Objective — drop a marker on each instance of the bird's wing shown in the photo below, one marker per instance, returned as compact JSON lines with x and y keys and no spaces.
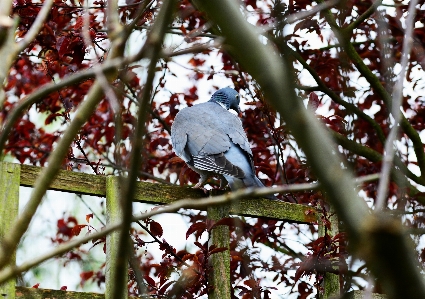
{"x":201,"y":135}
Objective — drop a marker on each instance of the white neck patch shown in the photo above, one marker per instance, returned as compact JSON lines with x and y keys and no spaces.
{"x":222,"y":105}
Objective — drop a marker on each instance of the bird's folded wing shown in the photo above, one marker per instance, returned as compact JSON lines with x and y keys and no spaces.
{"x":217,"y":164}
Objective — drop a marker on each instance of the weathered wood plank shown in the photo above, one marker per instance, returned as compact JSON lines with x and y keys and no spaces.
{"x":89,"y":184}
{"x":331,"y":288}
{"x":362,"y":294}
{"x":113,"y":215}
{"x":219,"y":277}
{"x":274,"y":209}
{"x":22,"y":292}
{"x":9,"y":204}
{"x":27,"y":293}
{"x":68,"y":181}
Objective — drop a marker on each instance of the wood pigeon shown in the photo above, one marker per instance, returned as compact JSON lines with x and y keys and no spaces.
{"x":212,"y":141}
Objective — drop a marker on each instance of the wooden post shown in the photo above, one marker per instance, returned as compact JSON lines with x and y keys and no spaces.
{"x":9,"y":203}
{"x":113,"y":215}
{"x":331,"y":281}
{"x":219,"y":277}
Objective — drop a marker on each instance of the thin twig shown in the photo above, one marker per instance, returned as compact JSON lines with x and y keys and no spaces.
{"x":305,"y":14}
{"x":396,"y":113}
{"x":36,"y":26}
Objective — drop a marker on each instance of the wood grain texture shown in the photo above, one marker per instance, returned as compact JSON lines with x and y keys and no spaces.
{"x":9,"y":203}
{"x":154,"y":193}
{"x":219,"y":278}
{"x":24,"y":293}
{"x":113,"y":215}
{"x":68,"y":181}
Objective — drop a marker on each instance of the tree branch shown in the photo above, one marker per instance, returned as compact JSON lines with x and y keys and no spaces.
{"x":381,"y":199}
{"x":364,"y":16}
{"x":36,"y":26}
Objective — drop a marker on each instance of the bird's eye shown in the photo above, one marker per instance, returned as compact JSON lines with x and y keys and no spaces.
{"x":237,"y":98}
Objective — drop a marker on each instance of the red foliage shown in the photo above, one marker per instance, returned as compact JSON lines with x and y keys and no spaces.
{"x":356,"y":111}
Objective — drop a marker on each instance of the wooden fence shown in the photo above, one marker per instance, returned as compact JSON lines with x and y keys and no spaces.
{"x":14,"y":175}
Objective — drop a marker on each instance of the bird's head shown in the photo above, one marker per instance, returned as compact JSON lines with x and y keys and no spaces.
{"x":228,"y":98}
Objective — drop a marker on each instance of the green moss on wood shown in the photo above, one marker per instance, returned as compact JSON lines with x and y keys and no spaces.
{"x":164,"y":194}
{"x":219,"y":278}
{"x":22,"y":292}
{"x":69,"y":181}
{"x":361,"y":295}
{"x":9,"y":202}
{"x":275,"y":209}
{"x":113,"y":257}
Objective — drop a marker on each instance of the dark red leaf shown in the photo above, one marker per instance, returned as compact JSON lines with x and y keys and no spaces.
{"x":155,"y":228}
{"x":76,"y":230}
{"x":88,"y":217}
{"x":216,"y":250}
{"x":86,"y":275}
{"x":197,"y":227}
{"x":149,"y":280}
{"x":200,"y":246}
{"x":313,"y":101}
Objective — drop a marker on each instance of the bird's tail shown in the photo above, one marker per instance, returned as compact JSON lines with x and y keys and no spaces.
{"x":249,"y":181}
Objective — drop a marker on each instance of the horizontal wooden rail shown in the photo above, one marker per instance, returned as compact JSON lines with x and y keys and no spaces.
{"x":89,"y":184}
{"x":22,"y":292}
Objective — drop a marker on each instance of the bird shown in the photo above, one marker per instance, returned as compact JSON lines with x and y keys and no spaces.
{"x":212,"y":141}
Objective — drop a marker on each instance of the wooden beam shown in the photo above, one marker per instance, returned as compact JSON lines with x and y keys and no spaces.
{"x":24,"y":293}
{"x":154,"y":193}
{"x":9,"y":203}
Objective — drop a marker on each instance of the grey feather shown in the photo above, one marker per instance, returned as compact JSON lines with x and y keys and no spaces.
{"x":212,"y":141}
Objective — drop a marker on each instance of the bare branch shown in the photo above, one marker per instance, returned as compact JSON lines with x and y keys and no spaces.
{"x":395,"y":107}
{"x":36,"y":26}
{"x":305,"y":14}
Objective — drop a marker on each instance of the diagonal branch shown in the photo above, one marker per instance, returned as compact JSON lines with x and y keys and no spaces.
{"x":36,"y":26}
{"x":364,"y":16}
